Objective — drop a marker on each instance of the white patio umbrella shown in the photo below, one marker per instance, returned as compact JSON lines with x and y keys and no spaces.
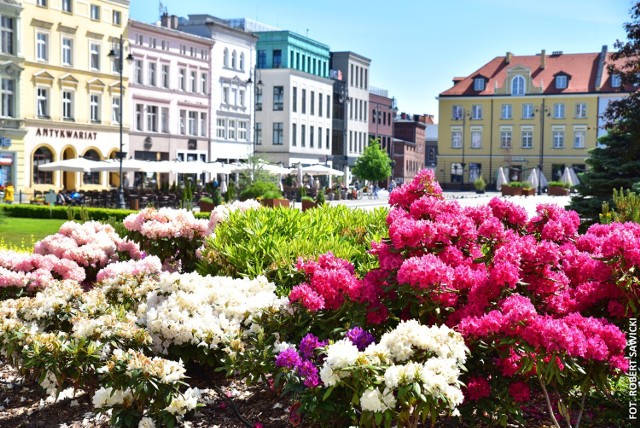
{"x":321,"y":170}
{"x":569,"y":176}
{"x":113,"y":165}
{"x":71,"y":165}
{"x":502,"y":179}
{"x":187,"y":167}
{"x":533,"y":178}
{"x":218,"y":168}
{"x":223,"y":185}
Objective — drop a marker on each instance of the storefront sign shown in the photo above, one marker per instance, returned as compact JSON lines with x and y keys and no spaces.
{"x":66,"y":133}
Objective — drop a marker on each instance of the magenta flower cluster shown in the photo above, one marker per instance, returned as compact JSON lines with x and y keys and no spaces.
{"x":33,"y":272}
{"x":304,"y":363}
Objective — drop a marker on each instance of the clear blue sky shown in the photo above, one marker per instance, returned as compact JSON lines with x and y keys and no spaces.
{"x":416,"y":47}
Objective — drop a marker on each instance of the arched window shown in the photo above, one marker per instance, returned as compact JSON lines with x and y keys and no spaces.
{"x":233,"y":60}
{"x":225,"y":57}
{"x":91,"y":177}
{"x":241,"y":61}
{"x":41,"y":156}
{"x":517,"y":85}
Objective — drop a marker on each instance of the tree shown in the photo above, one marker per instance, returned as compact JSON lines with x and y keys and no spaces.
{"x":374,"y":163}
{"x":615,"y":163}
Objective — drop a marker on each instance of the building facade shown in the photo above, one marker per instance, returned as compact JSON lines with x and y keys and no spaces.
{"x":232,"y":58}
{"x":382,"y":113}
{"x":71,"y":89}
{"x":519,"y":113}
{"x":169,"y":91}
{"x":12,"y":130}
{"x":293,"y":99}
{"x":409,"y":147}
{"x":350,"y":73}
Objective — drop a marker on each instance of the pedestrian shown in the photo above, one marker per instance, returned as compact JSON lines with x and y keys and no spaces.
{"x":8,"y":193}
{"x":392,"y":185}
{"x":375,"y":191}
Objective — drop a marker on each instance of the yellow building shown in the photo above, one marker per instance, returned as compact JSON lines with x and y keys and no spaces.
{"x":520,"y":113}
{"x":70,"y":88}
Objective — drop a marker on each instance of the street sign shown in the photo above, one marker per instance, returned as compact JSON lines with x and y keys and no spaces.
{"x":5,"y":142}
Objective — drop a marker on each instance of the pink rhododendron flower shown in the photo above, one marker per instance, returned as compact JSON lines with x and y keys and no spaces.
{"x":477,"y":388}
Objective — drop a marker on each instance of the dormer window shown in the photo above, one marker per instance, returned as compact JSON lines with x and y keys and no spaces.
{"x":616,"y":80}
{"x":561,"y":81}
{"x":517,"y":85}
{"x":479,"y":83}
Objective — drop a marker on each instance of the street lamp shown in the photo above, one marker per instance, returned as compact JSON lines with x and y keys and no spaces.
{"x":119,"y":61}
{"x":544,"y":111}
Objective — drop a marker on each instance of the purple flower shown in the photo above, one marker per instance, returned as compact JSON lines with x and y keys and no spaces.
{"x":309,"y":372}
{"x":288,"y":358}
{"x":360,"y":338}
{"x":308,"y":345}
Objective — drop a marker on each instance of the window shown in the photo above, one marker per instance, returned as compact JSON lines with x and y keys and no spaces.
{"x":42,"y":3}
{"x":67,"y":51}
{"x":258,"y":99}
{"x":94,"y":56}
{"x":506,"y":111}
{"x":303,"y":136}
{"x":558,"y":111}
{"x":233,"y":59}
{"x":7,"y":93}
{"x":527,"y":138}
{"x":457,"y":112}
{"x":579,"y":137}
{"x":42,"y":101}
{"x":181,"y":78}
{"x":67,"y":105}
{"x":312,"y":101}
{"x":183,"y":122}
{"x":258,"y":131}
{"x":241,"y":94}
{"x":294,"y":103}
{"x":476,"y":112}
{"x":193,"y":123}
{"x":139,"y":113}
{"x":581,"y":110}
{"x":225,"y":95}
{"x":117,"y":18}
{"x":527,"y":111}
{"x":277,"y":59}
{"x":505,"y":139}
{"x":203,"y":124}
{"x":137,"y":71}
{"x":328,"y":105}
{"x":152,"y":74}
{"x":164,"y":119}
{"x":517,"y":85}
{"x":221,"y":128}
{"x":561,"y":81}
{"x":116,"y":109}
{"x":328,"y":135}
{"x":95,"y":12}
{"x":476,"y":139}
{"x":456,"y":139}
{"x":479,"y":84}
{"x":319,"y":137}
{"x":94,"y":107}
{"x":152,"y":119}
{"x":42,"y":47}
{"x":558,"y":138}
{"x":6,"y":26}
{"x":319,"y":104}
{"x":203,"y":83}
{"x":311,"y":135}
{"x":41,"y":156}
{"x":165,"y":75}
{"x":303,"y":108}
{"x":242,"y":130}
{"x":225,"y":58}
{"x":231,"y":130}
{"x":192,"y":80}
{"x":278,"y":99}
{"x":616,"y":80}
{"x":261,"y":61}
{"x":241,"y":61}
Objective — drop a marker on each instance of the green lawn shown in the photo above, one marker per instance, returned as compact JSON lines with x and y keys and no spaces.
{"x":24,"y":232}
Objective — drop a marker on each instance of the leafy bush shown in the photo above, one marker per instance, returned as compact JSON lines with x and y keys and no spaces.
{"x":272,"y":194}
{"x":558,"y":184}
{"x":515,"y":184}
{"x":627,"y":208}
{"x":307,"y":199}
{"x":321,"y":199}
{"x":257,"y":190}
{"x":62,"y":213}
{"x":268,"y":242}
{"x":479,"y":184}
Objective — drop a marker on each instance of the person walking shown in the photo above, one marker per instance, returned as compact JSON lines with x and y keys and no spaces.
{"x":9,"y":193}
{"x":375,"y":191}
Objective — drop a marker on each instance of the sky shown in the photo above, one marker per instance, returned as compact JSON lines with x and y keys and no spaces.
{"x":417,"y":47}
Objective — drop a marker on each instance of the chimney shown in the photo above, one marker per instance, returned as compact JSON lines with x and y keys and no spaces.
{"x":174,"y":22}
{"x":164,"y":20}
{"x":543,"y":59}
{"x":507,"y":58}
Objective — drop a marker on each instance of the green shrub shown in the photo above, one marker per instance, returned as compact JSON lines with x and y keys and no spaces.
{"x":61,"y":212}
{"x":257,"y":190}
{"x":627,"y":208}
{"x":479,"y":184}
{"x":307,"y":199}
{"x":272,"y":194}
{"x":269,"y":242}
{"x":558,"y":184}
{"x":516,"y":184}
{"x":216,"y":198}
{"x":527,"y":185}
{"x":321,"y":199}
{"x":230,"y":194}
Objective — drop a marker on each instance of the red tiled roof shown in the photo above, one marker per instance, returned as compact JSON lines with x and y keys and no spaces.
{"x":606,"y":76}
{"x":582,"y":69}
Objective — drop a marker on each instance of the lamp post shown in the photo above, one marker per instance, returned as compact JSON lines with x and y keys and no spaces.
{"x":120,"y":66}
{"x":544,"y":111}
